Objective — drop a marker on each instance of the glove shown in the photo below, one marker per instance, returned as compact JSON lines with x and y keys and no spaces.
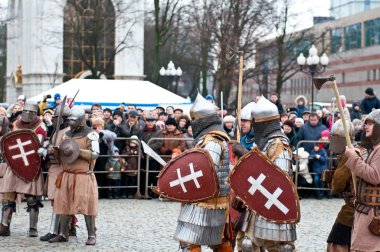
{"x":239,"y":149}
{"x":42,"y":152}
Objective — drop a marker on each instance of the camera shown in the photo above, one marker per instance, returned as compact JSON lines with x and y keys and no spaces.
{"x":48,"y":96}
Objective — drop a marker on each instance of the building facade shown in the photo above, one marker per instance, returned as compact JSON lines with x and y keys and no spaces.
{"x":41,"y":38}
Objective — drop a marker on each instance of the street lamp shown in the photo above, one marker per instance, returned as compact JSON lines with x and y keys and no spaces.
{"x":170,"y":71}
{"x":312,"y":65}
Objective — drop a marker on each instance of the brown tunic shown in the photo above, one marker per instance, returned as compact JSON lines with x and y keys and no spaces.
{"x":13,"y":184}
{"x":362,"y":239}
{"x":78,"y":191}
{"x":55,"y":168}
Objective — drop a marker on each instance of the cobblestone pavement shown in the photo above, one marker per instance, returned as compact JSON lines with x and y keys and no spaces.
{"x":148,"y":225}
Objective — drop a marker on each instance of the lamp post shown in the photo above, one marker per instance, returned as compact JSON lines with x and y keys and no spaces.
{"x":170,"y":71}
{"x":312,"y":65}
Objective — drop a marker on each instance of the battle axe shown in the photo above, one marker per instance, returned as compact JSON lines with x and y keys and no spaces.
{"x":318,"y":82}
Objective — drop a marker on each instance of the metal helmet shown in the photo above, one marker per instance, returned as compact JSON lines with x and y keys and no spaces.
{"x":29,"y":112}
{"x":338,"y":141}
{"x":201,"y":108}
{"x":204,"y":117}
{"x":247,"y":110}
{"x":65,"y":115}
{"x":77,"y":118}
{"x":265,"y":110}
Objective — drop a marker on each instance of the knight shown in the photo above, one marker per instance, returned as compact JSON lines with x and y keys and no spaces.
{"x":13,"y":184}
{"x":210,"y":228}
{"x":269,"y":138}
{"x":77,"y":190}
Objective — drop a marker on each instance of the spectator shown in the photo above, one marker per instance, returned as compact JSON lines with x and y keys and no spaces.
{"x":292,"y":116}
{"x":358,"y":127}
{"x":106,"y":147}
{"x":114,"y":166}
{"x":370,"y":101}
{"x":305,"y":116}
{"x":284,"y":117}
{"x":151,"y":131}
{"x":47,"y":120}
{"x":318,"y":156}
{"x":154,"y":114}
{"x":310,"y":131}
{"x":274,"y":99}
{"x":160,"y":109}
{"x":170,"y":111}
{"x":189,"y":134}
{"x":160,"y":125}
{"x":228,"y":125}
{"x":21,"y":101}
{"x":3,"y":112}
{"x":301,"y":103}
{"x":289,"y":131}
{"x":183,"y":122}
{"x":355,"y":113}
{"x":57,"y":100}
{"x":132,"y":125}
{"x":163,"y":117}
{"x":107,"y":117}
{"x":122,"y":108}
{"x":119,"y":128}
{"x":171,"y":132}
{"x":210,"y":98}
{"x":248,"y":136}
{"x":325,"y":136}
{"x":130,"y":108}
{"x":177,"y":113}
{"x":298,"y":124}
{"x":129,"y":178}
{"x":42,"y":105}
{"x":144,"y":115}
{"x":96,"y":111}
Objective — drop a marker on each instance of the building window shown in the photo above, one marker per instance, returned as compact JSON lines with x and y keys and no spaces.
{"x":372,"y":32}
{"x":374,"y":74}
{"x":353,"y":36}
{"x":343,"y":77}
{"x":88,"y":37}
{"x":336,"y":39}
{"x":368,"y":75}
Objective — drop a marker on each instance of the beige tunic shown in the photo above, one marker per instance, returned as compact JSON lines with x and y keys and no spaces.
{"x":55,"y":168}
{"x":13,"y":184}
{"x":78,"y":190}
{"x":362,"y":239}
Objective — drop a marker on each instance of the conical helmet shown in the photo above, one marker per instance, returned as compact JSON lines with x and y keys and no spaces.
{"x":264,"y":110}
{"x":201,"y":108}
{"x":246,"y":111}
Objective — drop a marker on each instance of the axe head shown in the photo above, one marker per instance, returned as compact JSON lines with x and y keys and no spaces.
{"x":318,"y":82}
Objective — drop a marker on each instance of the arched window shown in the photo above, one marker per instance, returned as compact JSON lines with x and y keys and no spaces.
{"x":89,"y":38}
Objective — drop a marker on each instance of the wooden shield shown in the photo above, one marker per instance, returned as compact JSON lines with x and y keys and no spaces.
{"x":189,"y":177}
{"x":20,"y":148}
{"x":265,"y":188}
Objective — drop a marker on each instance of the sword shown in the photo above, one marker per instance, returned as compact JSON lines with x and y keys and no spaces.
{"x":58,"y":123}
{"x":152,"y":153}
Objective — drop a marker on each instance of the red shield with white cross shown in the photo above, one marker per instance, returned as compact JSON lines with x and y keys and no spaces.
{"x":20,"y":148}
{"x":265,"y":188}
{"x":189,"y":177}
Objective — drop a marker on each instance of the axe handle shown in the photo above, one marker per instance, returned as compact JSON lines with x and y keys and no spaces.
{"x":346,"y":133}
{"x":240,"y":87}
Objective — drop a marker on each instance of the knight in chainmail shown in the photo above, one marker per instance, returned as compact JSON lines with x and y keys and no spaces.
{"x":206,"y":222}
{"x":260,"y":233}
{"x":366,"y":227}
{"x":339,"y":238}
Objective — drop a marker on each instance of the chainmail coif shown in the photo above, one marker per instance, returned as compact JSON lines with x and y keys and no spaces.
{"x":264,"y":131}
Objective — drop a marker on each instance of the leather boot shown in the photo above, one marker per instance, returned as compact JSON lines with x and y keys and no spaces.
{"x":54,"y":226}
{"x":63,"y":236}
{"x":6,"y":218}
{"x":4,"y":230}
{"x":33,"y":220}
{"x":90,"y":224}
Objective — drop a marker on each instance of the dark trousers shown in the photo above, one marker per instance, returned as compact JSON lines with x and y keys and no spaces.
{"x":152,"y":177}
{"x":113,"y":192}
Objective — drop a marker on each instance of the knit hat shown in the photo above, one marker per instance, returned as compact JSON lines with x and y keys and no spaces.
{"x":48,"y":111}
{"x":229,"y":118}
{"x":369,"y":91}
{"x":118,"y":112}
{"x":134,"y":139}
{"x":22,"y":97}
{"x":57,"y":97}
{"x":171,"y":121}
{"x":355,"y":103}
{"x":107,"y":109}
{"x":289,"y":123}
{"x":325,"y":133}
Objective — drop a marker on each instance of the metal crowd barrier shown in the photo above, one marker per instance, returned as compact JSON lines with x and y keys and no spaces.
{"x":147,"y":170}
{"x":311,"y":173}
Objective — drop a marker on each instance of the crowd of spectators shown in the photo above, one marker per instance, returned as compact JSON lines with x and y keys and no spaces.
{"x":163,"y":129}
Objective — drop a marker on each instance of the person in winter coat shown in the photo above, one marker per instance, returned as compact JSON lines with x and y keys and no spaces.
{"x":114,"y":166}
{"x":151,"y":131}
{"x":319,"y":164}
{"x":310,"y":131}
{"x":289,"y":131}
{"x":301,"y":103}
{"x":355,"y":113}
{"x":370,"y":101}
{"x":228,"y":125}
{"x":171,"y":132}
{"x":274,"y":99}
{"x":183,"y":123}
{"x":129,"y":176}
